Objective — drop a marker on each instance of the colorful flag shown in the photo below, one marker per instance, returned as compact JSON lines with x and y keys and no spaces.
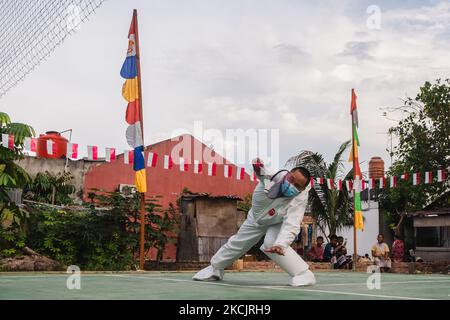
{"x":240,"y":173}
{"x":382,"y":182}
{"x":349,"y":185}
{"x":428,"y":177}
{"x":253,"y":176}
{"x":405,"y":176}
{"x":416,"y":178}
{"x":8,"y":141}
{"x":358,"y":223}
{"x":92,"y":152}
{"x":72,"y":150}
{"x":339,"y":184}
{"x":212,"y":167}
{"x":330,"y":183}
{"x":128,"y":157}
{"x":110,"y":154}
{"x":152,"y":158}
{"x":441,"y":175}
{"x":393,"y":182}
{"x":30,"y":144}
{"x":311,"y":182}
{"x":183,"y":165}
{"x":197,"y":167}
{"x":168,"y":163}
{"x":227,"y":171}
{"x":319,"y":180}
{"x":133,"y":115}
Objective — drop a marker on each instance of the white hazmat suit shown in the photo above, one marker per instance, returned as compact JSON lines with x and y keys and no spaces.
{"x":279,"y":220}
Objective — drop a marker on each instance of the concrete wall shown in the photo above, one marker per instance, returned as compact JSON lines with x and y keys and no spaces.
{"x":77,"y":168}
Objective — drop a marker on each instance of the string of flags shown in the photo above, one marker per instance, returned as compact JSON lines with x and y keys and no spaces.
{"x":428,"y":177}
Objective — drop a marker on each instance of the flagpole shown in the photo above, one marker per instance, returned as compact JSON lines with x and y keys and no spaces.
{"x":354,"y":196}
{"x":142,"y":205}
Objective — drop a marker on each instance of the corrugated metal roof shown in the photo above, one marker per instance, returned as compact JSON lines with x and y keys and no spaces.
{"x":428,"y":212}
{"x":191,"y":196}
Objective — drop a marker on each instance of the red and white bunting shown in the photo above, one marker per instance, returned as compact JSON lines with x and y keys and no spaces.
{"x":339,"y":184}
{"x":382,"y":182}
{"x":240,"y":173}
{"x":183,"y":165}
{"x":393,"y":182}
{"x":227,"y":171}
{"x":330,"y":183}
{"x":428,"y":177}
{"x":8,"y":141}
{"x":319,"y":180}
{"x":405,"y":176}
{"x":311,"y":182}
{"x":416,"y":178}
{"x":363,"y":185}
{"x":253,"y":176}
{"x":349,"y":185}
{"x":30,"y":144}
{"x":441,"y":175}
{"x":212,"y":168}
{"x":152,"y":158}
{"x":110,"y":154}
{"x":51,"y":147}
{"x":168,"y":163}
{"x":198,"y":167}
{"x":371,"y":183}
{"x":92,"y":152}
{"x":128,"y":157}
{"x":72,"y":150}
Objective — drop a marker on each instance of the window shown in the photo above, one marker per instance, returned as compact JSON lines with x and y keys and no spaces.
{"x":433,"y":237}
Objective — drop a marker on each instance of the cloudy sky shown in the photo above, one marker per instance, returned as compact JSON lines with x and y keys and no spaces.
{"x":287,"y":65}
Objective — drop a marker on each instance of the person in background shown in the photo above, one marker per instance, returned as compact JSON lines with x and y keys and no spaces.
{"x":365,"y":258}
{"x":328,"y":253}
{"x":398,"y":249}
{"x":341,"y":255}
{"x":315,"y":254}
{"x":380,"y":254}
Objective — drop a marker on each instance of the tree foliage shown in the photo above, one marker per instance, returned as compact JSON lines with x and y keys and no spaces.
{"x":423,"y":145}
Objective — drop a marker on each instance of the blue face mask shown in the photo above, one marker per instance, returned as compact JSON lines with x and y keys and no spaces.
{"x":288,"y":190}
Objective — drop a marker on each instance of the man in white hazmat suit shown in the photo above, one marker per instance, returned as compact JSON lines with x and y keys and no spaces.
{"x":278,"y":206}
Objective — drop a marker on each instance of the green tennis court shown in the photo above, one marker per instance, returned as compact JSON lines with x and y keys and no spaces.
{"x":236,"y":285}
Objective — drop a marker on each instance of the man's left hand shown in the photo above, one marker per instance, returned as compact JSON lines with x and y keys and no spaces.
{"x":275,"y":249}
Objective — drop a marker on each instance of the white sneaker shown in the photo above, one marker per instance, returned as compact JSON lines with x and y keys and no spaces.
{"x":306,"y":278}
{"x":209,"y":274}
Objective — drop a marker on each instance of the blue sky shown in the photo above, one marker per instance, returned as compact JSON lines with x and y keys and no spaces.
{"x":241,"y":64}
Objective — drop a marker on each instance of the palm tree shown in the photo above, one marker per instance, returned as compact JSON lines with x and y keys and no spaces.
{"x":332,"y":209}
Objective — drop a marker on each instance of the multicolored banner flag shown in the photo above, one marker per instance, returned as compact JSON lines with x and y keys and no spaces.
{"x":133,"y":116}
{"x":359,"y":223}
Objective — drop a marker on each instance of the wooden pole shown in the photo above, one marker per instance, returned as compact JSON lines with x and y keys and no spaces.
{"x":142,"y":207}
{"x":355,"y":247}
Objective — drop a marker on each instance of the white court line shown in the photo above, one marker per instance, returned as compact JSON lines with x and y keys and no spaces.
{"x":273,"y":288}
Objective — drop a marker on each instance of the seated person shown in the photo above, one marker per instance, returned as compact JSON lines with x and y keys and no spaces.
{"x":328,"y":253}
{"x":315,"y":254}
{"x":365,"y":258}
{"x":342,"y":261}
{"x":380,"y":253}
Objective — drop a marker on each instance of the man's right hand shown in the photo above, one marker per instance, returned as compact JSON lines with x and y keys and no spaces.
{"x":257,"y":165}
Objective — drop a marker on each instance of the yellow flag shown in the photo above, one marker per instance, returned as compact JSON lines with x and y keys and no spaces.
{"x":130,"y":90}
